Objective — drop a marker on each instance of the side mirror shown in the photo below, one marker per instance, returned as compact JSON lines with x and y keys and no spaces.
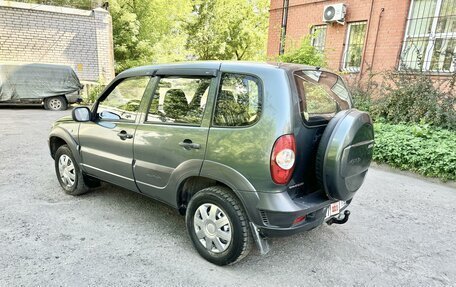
{"x":81,"y":114}
{"x":107,"y":115}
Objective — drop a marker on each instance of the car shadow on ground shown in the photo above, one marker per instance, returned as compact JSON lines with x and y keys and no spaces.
{"x":135,"y":204}
{"x":155,"y":215}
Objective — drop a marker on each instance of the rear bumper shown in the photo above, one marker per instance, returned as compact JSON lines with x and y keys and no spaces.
{"x":73,"y":98}
{"x":274,"y":213}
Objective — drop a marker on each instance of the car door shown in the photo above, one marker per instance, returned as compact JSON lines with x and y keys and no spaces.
{"x":107,"y":142}
{"x":170,"y":142}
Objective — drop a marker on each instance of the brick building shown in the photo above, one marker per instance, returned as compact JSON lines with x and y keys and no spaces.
{"x":376,"y":35}
{"x":81,"y":39}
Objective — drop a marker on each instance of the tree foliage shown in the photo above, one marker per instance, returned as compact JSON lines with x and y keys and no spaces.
{"x":147,"y":32}
{"x":150,"y":32}
{"x":228,"y":29}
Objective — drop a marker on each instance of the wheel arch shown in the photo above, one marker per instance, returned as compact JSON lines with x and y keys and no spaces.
{"x":54,"y":143}
{"x":59,"y":137}
{"x":219,"y":175}
{"x":63,"y":96}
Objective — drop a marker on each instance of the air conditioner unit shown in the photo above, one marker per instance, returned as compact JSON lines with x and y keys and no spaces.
{"x":334,"y":13}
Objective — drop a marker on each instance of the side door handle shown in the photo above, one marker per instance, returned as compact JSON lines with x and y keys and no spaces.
{"x":123,"y":135}
{"x":188,"y":145}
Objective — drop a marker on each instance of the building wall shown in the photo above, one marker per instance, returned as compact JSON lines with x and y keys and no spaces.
{"x":32,"y":33}
{"x":387,"y":26}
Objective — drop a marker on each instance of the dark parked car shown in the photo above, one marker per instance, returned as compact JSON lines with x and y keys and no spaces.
{"x":244,"y":150}
{"x":53,"y":86}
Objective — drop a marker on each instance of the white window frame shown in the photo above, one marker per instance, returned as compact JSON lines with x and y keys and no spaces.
{"x":347,"y":46}
{"x":432,"y":37}
{"x":317,"y":29}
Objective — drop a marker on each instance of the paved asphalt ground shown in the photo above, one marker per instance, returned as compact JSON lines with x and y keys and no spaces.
{"x":402,"y":231}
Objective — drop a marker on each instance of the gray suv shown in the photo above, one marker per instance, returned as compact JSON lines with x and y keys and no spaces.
{"x":244,"y":150}
{"x":53,"y":86}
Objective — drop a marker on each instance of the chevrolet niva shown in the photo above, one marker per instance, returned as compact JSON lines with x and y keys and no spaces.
{"x":244,"y":150}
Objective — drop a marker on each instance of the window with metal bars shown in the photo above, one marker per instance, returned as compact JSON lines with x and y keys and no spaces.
{"x":318,"y":34}
{"x":430,"y":38}
{"x":354,"y":44}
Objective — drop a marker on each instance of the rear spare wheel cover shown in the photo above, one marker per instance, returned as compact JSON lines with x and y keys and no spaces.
{"x":345,"y":153}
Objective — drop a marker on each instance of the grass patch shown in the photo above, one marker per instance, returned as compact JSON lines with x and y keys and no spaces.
{"x":427,"y":150}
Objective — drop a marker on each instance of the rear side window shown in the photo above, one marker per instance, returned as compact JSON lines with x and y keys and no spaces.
{"x":238,"y":101}
{"x":322,"y":95}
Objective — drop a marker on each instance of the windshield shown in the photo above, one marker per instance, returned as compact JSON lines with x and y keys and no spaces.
{"x":322,"y":95}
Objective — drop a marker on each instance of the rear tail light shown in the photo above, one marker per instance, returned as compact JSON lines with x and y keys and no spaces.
{"x":283,"y":159}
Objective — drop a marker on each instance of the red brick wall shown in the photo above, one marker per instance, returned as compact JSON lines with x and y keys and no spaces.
{"x":302,"y":14}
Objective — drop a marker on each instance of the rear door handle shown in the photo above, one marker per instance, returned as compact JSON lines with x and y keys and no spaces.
{"x":188,"y":144}
{"x":123,"y":135}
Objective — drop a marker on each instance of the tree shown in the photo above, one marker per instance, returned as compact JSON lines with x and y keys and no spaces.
{"x":151,"y":32}
{"x":148,"y":32}
{"x":228,"y":29}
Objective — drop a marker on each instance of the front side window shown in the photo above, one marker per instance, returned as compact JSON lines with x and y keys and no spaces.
{"x":179,"y":100}
{"x":318,"y":34}
{"x":430,"y":41}
{"x":354,"y":44}
{"x":238,"y":101}
{"x":123,"y":101}
{"x":322,"y":95}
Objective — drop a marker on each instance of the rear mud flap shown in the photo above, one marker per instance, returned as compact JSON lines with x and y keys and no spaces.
{"x":261,"y":242}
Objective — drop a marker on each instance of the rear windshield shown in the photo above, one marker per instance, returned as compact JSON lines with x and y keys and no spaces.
{"x":322,"y":95}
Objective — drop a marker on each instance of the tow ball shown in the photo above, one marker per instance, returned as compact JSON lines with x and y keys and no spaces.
{"x":341,"y":219}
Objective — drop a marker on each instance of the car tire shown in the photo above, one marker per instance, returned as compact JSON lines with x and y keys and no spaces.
{"x":55,"y":103}
{"x":69,"y":175}
{"x":218,"y":226}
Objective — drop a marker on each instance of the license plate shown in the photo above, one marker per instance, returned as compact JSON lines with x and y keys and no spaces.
{"x":334,"y":208}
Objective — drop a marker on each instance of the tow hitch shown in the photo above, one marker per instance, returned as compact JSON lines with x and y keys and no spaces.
{"x":341,"y":219}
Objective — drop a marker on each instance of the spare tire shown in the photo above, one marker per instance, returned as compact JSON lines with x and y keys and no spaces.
{"x":344,"y":154}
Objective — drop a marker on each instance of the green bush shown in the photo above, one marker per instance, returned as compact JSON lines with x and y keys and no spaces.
{"x":305,"y":54}
{"x":94,"y":91}
{"x":362,"y":91}
{"x":420,"y":148}
{"x":361,"y":99}
{"x":414,"y":99}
